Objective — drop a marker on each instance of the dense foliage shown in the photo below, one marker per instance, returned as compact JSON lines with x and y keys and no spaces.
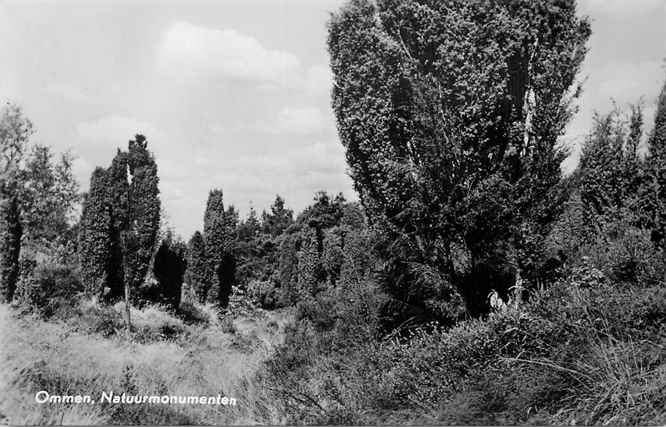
{"x":10,"y":248}
{"x":196,"y":275}
{"x":472,"y":283}
{"x":219,"y":235}
{"x":120,"y":222}
{"x":169,"y":268}
{"x":37,"y":196}
{"x":450,"y":114}
{"x":95,"y":229}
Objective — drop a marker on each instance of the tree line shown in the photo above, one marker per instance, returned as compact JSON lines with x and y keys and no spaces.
{"x":450,"y":114}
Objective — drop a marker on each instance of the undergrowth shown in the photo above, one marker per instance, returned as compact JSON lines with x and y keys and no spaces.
{"x":585,"y":351}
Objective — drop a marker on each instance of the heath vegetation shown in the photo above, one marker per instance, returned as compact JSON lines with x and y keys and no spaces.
{"x":472,"y":283}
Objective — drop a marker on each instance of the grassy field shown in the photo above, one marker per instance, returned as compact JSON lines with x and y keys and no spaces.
{"x":89,"y":353}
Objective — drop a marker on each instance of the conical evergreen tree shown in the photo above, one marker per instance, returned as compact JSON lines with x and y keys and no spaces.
{"x":94,"y":243}
{"x":656,"y":166}
{"x":124,"y":198}
{"x":196,"y":275}
{"x":214,"y":238}
{"x":143,"y":218}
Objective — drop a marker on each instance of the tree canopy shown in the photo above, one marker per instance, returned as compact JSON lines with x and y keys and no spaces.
{"x":450,"y":113}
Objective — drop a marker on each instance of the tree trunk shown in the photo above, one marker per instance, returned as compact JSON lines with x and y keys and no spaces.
{"x":128,"y":320}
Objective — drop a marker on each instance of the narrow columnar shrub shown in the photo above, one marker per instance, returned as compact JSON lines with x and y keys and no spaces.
{"x":196,"y":275}
{"x":95,"y":231}
{"x":11,"y":231}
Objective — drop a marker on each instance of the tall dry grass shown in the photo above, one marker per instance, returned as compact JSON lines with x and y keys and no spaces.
{"x":192,"y":359}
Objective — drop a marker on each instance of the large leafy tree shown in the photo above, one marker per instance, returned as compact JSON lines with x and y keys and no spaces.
{"x":37,"y":194}
{"x":49,"y":192}
{"x":450,"y":113}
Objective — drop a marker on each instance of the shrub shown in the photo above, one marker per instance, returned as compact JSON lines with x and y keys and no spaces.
{"x":627,"y":254}
{"x":48,"y":287}
{"x":191,"y":312}
{"x":227,"y":325}
{"x":585,"y":350}
{"x":264,"y":293}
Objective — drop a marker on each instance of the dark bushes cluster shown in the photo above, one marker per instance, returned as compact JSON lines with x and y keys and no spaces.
{"x":48,"y":287}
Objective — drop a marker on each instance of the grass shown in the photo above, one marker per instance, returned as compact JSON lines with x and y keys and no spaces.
{"x":89,"y":353}
{"x":586,"y":351}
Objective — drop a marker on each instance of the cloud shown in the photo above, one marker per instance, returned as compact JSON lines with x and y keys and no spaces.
{"x":618,"y":80}
{"x":196,"y":51}
{"x":318,"y":81}
{"x":69,"y":93}
{"x":621,"y":7}
{"x":82,"y":170}
{"x":116,"y":129}
{"x":294,"y":120}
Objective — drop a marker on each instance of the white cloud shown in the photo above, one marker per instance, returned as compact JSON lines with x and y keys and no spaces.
{"x":117,"y":130}
{"x":318,"y":80}
{"x":69,"y":93}
{"x":82,"y":170}
{"x":618,"y":80}
{"x":621,"y":7}
{"x":296,"y":120}
{"x":196,"y":51}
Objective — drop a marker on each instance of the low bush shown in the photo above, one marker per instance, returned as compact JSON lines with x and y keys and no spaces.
{"x":47,"y":288}
{"x":265,"y":294}
{"x":194,"y":313}
{"x":627,"y":254}
{"x":586,"y":350}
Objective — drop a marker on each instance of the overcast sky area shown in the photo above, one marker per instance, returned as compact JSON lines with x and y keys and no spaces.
{"x":235,"y":94}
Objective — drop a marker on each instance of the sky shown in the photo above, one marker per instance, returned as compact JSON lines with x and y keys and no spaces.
{"x":235,"y":94}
